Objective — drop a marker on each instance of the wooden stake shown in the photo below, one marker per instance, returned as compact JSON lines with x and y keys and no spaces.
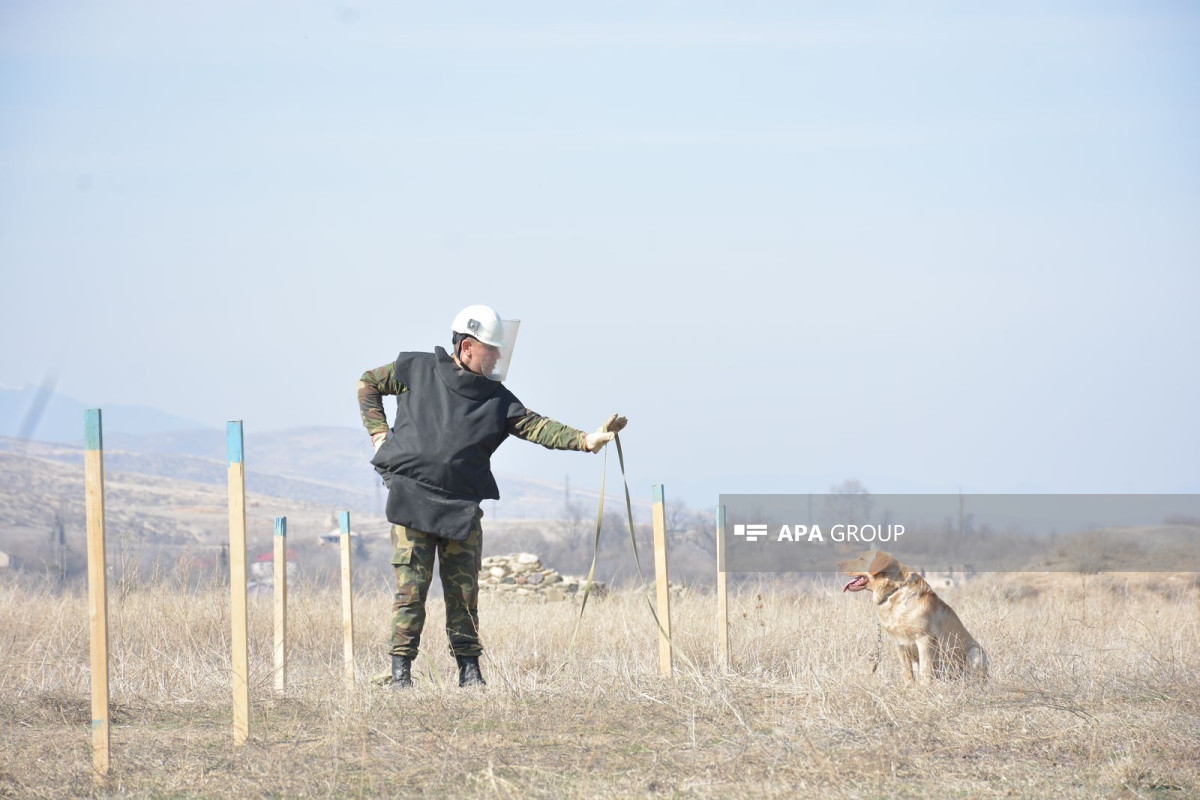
{"x":280,"y":570}
{"x":661,"y":581}
{"x":347,"y":601}
{"x":93,"y":461}
{"x":237,"y":584}
{"x":722,"y":594}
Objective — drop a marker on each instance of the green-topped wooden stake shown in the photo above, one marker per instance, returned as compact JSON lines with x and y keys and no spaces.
{"x":662,"y":582}
{"x":722,"y":594}
{"x":347,"y":600}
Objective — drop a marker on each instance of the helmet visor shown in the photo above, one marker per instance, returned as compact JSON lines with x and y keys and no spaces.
{"x":504,"y":341}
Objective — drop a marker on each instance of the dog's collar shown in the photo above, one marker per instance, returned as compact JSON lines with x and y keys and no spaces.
{"x":883,"y":599}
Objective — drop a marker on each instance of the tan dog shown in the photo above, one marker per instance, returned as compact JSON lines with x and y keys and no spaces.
{"x":926,"y":632}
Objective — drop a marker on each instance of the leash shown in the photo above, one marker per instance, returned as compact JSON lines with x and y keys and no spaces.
{"x":587,"y":590}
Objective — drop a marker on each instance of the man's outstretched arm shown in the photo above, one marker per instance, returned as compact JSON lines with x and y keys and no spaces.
{"x":533,"y":427}
{"x":549,"y":433}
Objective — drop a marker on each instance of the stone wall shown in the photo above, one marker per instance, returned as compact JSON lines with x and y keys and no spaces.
{"x":522,"y":575}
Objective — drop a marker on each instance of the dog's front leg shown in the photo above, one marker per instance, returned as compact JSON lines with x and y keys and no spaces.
{"x":926,"y":653}
{"x":906,"y":652}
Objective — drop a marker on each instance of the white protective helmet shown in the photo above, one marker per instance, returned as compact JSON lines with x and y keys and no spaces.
{"x":483,"y":323}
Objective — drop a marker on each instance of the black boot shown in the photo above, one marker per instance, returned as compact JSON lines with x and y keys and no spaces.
{"x":468,"y":671}
{"x":401,"y":672}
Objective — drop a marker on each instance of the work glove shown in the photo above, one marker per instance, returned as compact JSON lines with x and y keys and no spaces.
{"x":378,"y":439}
{"x":594,"y":442}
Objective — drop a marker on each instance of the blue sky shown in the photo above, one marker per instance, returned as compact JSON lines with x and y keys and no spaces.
{"x":926,"y":247}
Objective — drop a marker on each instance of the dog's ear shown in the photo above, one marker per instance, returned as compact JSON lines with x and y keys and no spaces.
{"x":855,"y":565}
{"x":879,"y":562}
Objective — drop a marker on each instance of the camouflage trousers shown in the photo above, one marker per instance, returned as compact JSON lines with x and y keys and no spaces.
{"x":459,"y":563}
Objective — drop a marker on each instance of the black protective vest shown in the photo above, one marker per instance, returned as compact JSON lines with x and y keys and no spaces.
{"x":437,"y":462}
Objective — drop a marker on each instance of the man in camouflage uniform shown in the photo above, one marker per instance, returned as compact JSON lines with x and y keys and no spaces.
{"x":452,"y":413}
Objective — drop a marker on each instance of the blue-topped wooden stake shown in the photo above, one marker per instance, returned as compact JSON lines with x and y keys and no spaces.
{"x":233,"y":431}
{"x":93,"y":465}
{"x":237,"y":583}
{"x":661,"y":581}
{"x":279,"y":568}
{"x":347,"y":599}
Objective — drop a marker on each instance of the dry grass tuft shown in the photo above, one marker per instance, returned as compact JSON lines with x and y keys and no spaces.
{"x":1094,"y":690}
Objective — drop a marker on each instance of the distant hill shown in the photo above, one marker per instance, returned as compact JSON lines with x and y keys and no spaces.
{"x":320,"y":464}
{"x":164,"y":511}
{"x":33,"y":413}
{"x":166,"y":495}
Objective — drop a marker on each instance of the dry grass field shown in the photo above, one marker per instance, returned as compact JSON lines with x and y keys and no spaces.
{"x":1095,"y":691}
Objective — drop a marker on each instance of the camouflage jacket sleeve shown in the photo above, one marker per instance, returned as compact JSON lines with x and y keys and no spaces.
{"x":372,"y":386}
{"x":548,"y":433}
